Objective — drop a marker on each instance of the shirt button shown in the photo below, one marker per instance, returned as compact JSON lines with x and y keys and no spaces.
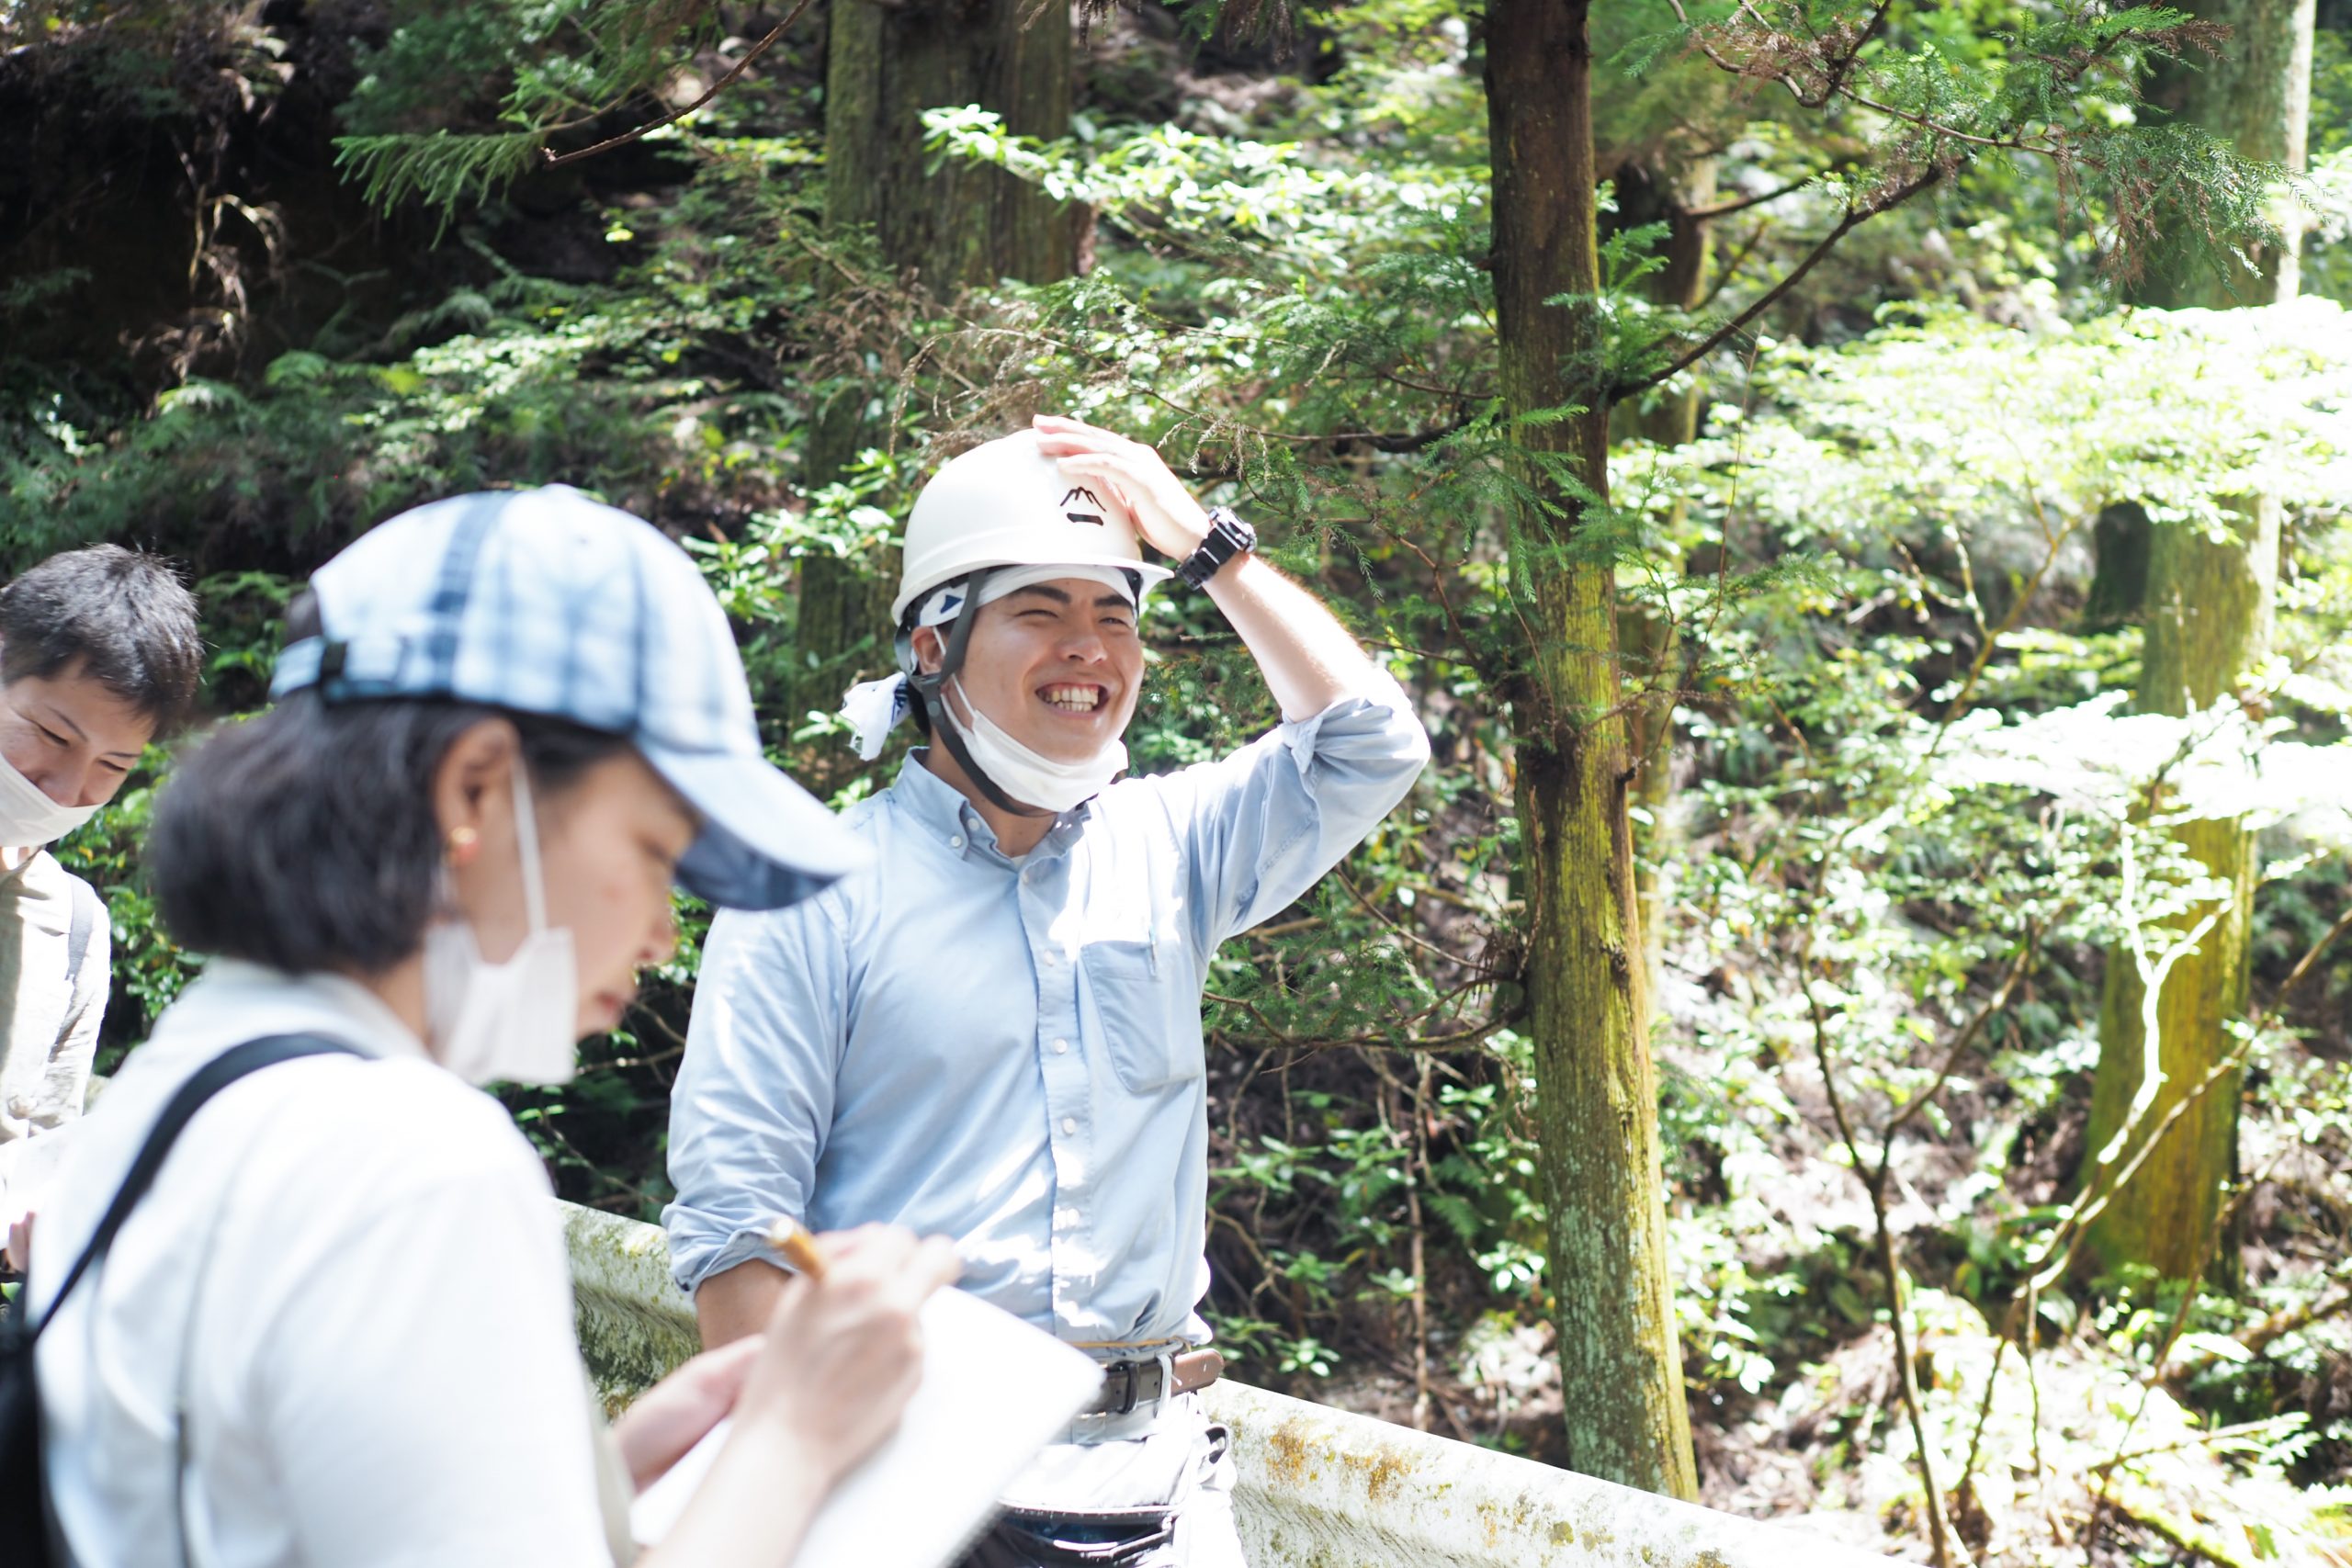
{"x":955,"y":841}
{"x":1061,"y":1047}
{"x":1047,"y":959}
{"x":1069,"y":1125}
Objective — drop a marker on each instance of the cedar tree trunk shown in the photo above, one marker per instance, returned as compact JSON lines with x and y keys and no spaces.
{"x":2207,"y":613}
{"x":951,"y":229}
{"x":1621,"y":1367}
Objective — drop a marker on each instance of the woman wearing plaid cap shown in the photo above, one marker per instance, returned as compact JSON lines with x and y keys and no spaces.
{"x":337,"y":1331}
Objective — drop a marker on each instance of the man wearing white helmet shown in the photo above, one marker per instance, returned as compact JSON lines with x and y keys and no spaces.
{"x":995,"y":1032}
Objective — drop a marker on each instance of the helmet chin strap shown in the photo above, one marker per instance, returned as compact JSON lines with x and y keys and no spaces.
{"x":933,"y":690}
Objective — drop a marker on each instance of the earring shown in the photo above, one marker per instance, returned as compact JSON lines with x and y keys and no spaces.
{"x":463,"y":843}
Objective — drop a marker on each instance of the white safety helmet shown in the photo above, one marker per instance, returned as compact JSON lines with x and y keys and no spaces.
{"x":1006,"y":504}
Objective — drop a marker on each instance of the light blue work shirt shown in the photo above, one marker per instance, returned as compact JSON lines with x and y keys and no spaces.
{"x":1010,"y":1053}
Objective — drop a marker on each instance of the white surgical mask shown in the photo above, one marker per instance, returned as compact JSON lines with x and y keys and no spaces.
{"x":29,"y":817}
{"x":1023,"y":775}
{"x":505,"y":1022}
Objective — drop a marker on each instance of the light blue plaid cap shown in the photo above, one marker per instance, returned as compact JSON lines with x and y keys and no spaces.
{"x":545,"y":601}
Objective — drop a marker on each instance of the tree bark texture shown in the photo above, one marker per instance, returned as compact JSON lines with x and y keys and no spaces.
{"x":959,"y":225}
{"x":2255,"y":95}
{"x":951,"y":229}
{"x":1620,"y":1367}
{"x":2207,"y":618}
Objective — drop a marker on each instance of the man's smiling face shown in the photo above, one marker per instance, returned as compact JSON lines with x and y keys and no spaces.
{"x":1056,"y":666}
{"x":72,"y":737}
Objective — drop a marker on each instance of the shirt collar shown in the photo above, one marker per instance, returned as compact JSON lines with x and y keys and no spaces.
{"x":942,"y":810}
{"x":932,"y":801}
{"x":233,"y":996}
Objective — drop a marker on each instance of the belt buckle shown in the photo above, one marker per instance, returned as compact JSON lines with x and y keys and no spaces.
{"x":1133,"y":1396}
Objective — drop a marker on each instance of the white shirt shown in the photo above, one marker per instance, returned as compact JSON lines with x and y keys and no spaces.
{"x":51,"y":1001}
{"x":381,"y":1366}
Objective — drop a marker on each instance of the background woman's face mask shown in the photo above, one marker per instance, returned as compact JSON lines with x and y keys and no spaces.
{"x":27,"y":817}
{"x":513,"y":1021}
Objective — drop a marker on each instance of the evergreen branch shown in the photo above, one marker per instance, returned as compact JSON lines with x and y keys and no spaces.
{"x":550,"y":159}
{"x":1725,"y":208}
{"x":1855,"y":217}
{"x":1843,"y":66}
{"x":2257,"y":1336}
{"x":442,"y":169}
{"x":1503,"y":1018}
{"x":2263,"y":1425}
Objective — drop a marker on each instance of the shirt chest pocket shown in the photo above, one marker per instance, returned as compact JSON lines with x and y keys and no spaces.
{"x":1149,"y":1011}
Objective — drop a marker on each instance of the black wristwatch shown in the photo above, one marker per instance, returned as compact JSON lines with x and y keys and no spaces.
{"x":1228,"y":537}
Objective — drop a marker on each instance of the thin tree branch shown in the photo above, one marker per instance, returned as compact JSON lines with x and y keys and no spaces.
{"x":1741,"y":204}
{"x":550,"y":159}
{"x":1941,"y":1534}
{"x":1414,"y":937}
{"x":1976,"y":1026}
{"x":1855,"y":217}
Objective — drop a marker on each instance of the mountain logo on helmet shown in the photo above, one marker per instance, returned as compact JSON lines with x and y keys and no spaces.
{"x":1092,"y":500}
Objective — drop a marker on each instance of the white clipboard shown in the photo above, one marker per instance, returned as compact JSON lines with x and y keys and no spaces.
{"x":994,"y":1392}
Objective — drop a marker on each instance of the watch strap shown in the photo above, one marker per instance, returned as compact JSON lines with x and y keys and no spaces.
{"x":1228,"y":537}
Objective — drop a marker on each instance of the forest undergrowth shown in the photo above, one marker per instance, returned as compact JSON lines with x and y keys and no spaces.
{"x":1897,"y":813}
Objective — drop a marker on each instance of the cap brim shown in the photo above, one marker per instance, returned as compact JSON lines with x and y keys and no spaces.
{"x":1149,"y":575}
{"x":766,"y":842}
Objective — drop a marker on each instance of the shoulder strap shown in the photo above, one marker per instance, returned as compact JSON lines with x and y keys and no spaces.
{"x":83,"y":919}
{"x":208,"y":1081}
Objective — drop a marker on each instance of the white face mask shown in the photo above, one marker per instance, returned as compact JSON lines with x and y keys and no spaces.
{"x":29,"y":817}
{"x":505,"y":1022}
{"x":1023,"y":775}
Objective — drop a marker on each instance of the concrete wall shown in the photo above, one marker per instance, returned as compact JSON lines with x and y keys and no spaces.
{"x":1320,"y":1488}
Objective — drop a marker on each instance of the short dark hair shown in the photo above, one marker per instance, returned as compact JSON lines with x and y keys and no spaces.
{"x":305,"y":838}
{"x":123,"y":618}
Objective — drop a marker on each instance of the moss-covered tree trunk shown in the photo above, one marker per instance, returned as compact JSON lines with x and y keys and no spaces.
{"x":1620,"y":1367}
{"x":947,"y":230}
{"x":2256,"y":95}
{"x":2207,"y":615}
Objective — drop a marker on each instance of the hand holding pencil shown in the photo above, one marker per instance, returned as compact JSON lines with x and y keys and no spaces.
{"x":797,"y":1245}
{"x":842,"y":1351}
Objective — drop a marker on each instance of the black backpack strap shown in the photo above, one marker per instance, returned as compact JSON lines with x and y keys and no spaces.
{"x":208,"y":1081}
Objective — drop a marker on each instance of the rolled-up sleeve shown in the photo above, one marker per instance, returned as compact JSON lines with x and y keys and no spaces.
{"x":1260,"y":827}
{"x":754,"y":1095}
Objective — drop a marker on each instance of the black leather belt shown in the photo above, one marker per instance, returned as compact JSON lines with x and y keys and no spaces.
{"x":1130,"y":1385}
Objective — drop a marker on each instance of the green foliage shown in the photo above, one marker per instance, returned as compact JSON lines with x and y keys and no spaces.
{"x":1900,"y":772}
{"x":548,"y":68}
{"x":440,"y":169}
